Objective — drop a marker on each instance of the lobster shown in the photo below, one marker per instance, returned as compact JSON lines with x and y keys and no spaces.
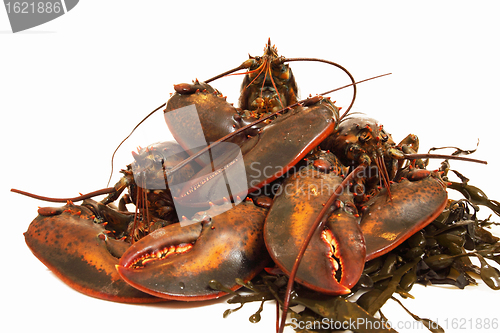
{"x":354,"y":198}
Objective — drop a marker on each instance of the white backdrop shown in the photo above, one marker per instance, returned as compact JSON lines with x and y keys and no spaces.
{"x":73,"y":88}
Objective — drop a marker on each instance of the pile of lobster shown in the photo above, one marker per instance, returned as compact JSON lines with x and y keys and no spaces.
{"x":229,"y":199}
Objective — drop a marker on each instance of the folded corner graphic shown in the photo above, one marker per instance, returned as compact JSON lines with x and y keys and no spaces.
{"x":24,"y":15}
{"x":70,"y":4}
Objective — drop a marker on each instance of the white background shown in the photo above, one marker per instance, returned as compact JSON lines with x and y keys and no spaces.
{"x":73,"y":88}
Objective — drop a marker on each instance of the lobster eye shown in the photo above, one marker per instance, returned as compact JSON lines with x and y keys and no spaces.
{"x":285,"y":73}
{"x":281,"y":72}
{"x":384,"y":136}
{"x":363,"y":137}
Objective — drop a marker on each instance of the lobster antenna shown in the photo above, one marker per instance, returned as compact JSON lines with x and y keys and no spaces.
{"x":353,"y":82}
{"x":447,"y":157}
{"x":240,"y":67}
{"x":244,"y":65}
{"x":128,"y":136}
{"x":350,"y":84}
{"x":80,"y":198}
{"x":307,"y":101}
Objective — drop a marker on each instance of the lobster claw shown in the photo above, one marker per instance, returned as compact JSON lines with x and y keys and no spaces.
{"x":76,"y":249}
{"x":335,"y":257}
{"x":296,"y":132}
{"x":178,"y":262}
{"x":386,"y":223}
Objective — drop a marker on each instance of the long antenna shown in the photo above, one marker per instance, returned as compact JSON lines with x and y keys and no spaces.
{"x":306,"y":101}
{"x":128,"y":136}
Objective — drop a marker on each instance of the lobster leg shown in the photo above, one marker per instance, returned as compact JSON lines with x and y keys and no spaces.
{"x":334,"y":259}
{"x":79,"y":252}
{"x":178,"y":262}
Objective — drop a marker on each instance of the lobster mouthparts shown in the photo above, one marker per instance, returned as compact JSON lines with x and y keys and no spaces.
{"x":178,"y":262}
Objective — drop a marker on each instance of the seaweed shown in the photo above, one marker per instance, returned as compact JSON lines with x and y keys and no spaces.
{"x":438,"y":254}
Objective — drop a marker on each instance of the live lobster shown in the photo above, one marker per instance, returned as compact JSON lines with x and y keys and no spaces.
{"x":338,"y":193}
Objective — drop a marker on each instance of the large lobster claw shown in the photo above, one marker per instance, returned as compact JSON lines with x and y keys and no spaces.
{"x":297,"y":131}
{"x":387,"y":222}
{"x":76,"y":249}
{"x":335,"y":257}
{"x":178,"y":262}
